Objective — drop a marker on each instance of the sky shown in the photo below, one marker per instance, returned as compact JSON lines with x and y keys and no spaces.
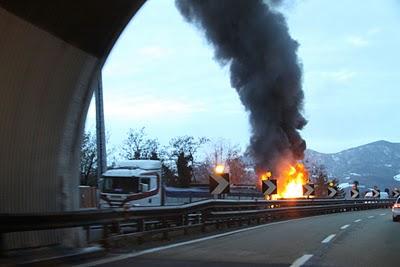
{"x":161,"y":75}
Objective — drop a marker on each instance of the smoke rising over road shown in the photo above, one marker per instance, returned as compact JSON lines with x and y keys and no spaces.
{"x":252,"y":38}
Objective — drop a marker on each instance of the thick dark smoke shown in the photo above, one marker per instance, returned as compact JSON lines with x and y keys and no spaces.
{"x":253,"y":39}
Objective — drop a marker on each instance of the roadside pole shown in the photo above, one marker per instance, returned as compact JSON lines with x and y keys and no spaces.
{"x":100,"y":132}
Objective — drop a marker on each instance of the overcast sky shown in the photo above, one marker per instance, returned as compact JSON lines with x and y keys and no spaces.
{"x":161,"y":75}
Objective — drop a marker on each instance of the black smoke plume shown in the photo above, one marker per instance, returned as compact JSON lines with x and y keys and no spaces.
{"x":253,"y":39}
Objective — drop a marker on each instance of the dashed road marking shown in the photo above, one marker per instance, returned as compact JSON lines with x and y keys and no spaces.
{"x":382,"y":214}
{"x":194,"y":241}
{"x":344,"y":226}
{"x":328,"y":238}
{"x":300,"y":261}
{"x":358,"y":220}
{"x":370,"y":217}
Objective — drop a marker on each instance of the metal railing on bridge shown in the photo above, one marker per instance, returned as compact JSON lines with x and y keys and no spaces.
{"x":149,"y":221}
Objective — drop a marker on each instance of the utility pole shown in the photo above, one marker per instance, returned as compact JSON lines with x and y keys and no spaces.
{"x":100,"y":129}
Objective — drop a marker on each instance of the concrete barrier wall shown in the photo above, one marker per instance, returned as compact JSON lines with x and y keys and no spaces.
{"x":50,"y":52}
{"x":44,"y":95}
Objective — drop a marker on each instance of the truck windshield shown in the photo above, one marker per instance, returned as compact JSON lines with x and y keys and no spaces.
{"x":121,"y":185}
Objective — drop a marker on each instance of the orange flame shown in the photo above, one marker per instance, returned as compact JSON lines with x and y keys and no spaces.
{"x":265,"y":176}
{"x":293,"y":178}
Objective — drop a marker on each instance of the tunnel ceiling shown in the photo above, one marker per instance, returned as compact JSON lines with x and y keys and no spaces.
{"x":87,"y":24}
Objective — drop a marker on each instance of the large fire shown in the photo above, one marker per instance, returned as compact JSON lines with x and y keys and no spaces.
{"x":291,"y":179}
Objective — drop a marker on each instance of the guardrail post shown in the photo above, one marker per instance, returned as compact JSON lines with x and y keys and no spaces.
{"x":185,"y":223}
{"x":164,"y":226}
{"x":140,"y":228}
{"x":87,"y":228}
{"x":240,"y":221}
{"x":105,"y":243}
{"x":116,"y":227}
{"x":140,"y":225}
{"x":204,"y":217}
{"x":218,"y":224}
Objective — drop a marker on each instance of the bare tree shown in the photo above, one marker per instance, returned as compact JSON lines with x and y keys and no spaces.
{"x":88,"y":159}
{"x":88,"y":166}
{"x":133,"y":144}
{"x":201,"y":170}
{"x":223,"y":152}
{"x":138,"y":146}
{"x":186,"y":144}
{"x":237,"y":170}
{"x":151,"y":149}
{"x":182,"y":152}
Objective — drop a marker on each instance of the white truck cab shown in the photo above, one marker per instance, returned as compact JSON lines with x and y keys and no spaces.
{"x":131,"y":183}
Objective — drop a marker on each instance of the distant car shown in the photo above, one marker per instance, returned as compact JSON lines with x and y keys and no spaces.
{"x":396,"y":210}
{"x":383,"y":195}
{"x":368,"y":195}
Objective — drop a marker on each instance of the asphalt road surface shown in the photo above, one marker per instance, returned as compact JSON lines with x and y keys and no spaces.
{"x":363,"y":238}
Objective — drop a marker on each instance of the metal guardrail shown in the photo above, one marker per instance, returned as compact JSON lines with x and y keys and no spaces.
{"x":156,"y":220}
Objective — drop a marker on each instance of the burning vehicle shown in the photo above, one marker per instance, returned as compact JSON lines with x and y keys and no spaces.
{"x":291,"y":178}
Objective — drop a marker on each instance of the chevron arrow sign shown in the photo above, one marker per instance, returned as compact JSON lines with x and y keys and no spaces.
{"x":219,"y":183}
{"x":375,"y":193}
{"x":308,"y":190}
{"x":269,"y":187}
{"x":332,"y":192}
{"x":354,"y":193}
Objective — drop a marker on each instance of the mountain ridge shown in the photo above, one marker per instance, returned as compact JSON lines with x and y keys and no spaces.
{"x":375,"y":163}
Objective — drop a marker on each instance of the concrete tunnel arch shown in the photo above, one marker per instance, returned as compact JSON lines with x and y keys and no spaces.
{"x":50,"y":56}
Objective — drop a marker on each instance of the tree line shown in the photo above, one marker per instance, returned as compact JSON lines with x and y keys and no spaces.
{"x":182,"y":162}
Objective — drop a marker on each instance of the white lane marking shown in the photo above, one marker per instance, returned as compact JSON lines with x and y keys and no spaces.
{"x":328,"y":238}
{"x":382,"y":214}
{"x":358,"y":220}
{"x":344,"y":226}
{"x":370,"y":217}
{"x":300,"y":261}
{"x":148,"y":251}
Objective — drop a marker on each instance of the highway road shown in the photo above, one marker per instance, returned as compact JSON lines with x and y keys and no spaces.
{"x":363,"y":238}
